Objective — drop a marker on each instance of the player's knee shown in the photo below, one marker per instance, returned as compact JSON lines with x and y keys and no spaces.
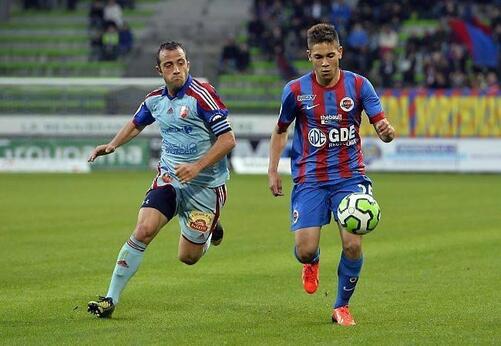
{"x":144,"y":233}
{"x":306,"y":254}
{"x":188,"y":259}
{"x":352,"y":250}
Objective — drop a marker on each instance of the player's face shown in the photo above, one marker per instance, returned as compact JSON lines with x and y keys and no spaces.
{"x":174,"y":68}
{"x":325,"y":58}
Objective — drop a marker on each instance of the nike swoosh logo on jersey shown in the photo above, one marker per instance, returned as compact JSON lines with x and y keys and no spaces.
{"x":308,"y":107}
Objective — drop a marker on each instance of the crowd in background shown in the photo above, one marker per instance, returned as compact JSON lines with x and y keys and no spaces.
{"x":376,"y":41}
{"x":110,"y":35}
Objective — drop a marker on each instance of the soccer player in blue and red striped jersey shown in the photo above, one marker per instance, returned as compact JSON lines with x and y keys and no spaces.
{"x":326,"y":157}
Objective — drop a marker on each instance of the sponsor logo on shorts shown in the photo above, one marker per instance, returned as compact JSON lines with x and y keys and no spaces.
{"x":295,"y":216}
{"x":347,"y":104}
{"x":200,"y":221}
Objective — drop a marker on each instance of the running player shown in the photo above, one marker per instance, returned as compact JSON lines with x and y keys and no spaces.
{"x":196,"y":137}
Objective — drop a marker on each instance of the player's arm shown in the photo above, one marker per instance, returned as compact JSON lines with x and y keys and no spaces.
{"x":124,"y":135}
{"x":212,"y":110}
{"x":374,"y":110}
{"x":278,"y":139}
{"x":222,"y":147}
{"x":384,"y":130}
{"x":129,"y":130}
{"x":277,"y":144}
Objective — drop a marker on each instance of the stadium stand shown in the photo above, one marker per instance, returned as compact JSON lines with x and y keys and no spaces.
{"x":43,"y":40}
{"x":395,"y":43}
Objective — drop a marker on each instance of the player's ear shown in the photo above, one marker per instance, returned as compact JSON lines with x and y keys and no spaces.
{"x":308,"y":52}
{"x":158,"y":69}
{"x":188,"y":64}
{"x":340,"y":51}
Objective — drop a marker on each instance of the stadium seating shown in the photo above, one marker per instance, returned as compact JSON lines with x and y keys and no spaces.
{"x":55,"y":43}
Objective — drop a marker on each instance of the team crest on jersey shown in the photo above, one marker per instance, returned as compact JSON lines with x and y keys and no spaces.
{"x":183,"y":112}
{"x":347,"y":104}
{"x":301,"y":98}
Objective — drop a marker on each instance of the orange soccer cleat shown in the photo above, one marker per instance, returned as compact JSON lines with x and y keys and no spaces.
{"x":310,"y":277}
{"x":342,"y":316}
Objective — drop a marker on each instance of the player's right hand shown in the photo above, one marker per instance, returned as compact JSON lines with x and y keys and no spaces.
{"x":103,"y":149}
{"x":275,"y":184}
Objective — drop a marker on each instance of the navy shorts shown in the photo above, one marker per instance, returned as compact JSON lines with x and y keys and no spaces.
{"x":197,"y":207}
{"x":312,"y":204}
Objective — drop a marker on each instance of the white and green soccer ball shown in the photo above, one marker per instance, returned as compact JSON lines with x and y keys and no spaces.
{"x":358,"y":213}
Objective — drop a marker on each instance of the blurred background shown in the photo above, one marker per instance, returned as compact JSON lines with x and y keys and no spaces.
{"x":73,"y":71}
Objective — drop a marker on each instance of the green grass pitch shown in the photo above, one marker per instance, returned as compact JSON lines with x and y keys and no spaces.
{"x":431,"y":275}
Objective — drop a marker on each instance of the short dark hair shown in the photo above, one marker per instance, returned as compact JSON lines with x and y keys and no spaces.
{"x":321,"y":33}
{"x":170,"y":45}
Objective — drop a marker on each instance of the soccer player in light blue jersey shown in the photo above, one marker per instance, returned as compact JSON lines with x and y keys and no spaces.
{"x":326,"y":157}
{"x":196,"y":137}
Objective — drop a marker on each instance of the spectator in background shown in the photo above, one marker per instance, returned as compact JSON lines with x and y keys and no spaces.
{"x":492,"y":82}
{"x":255,"y":30}
{"x":358,"y":41}
{"x":112,"y":13}
{"x":318,"y":10}
{"x":125,"y":39}
{"x":436,"y":71}
{"x":243,"y":60}
{"x":110,"y":43}
{"x":388,"y":40}
{"x":96,"y":44}
{"x":229,"y":56}
{"x":387,"y":69}
{"x":340,"y":16}
{"x":96,"y":14}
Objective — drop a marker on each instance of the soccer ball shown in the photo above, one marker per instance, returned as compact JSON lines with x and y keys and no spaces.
{"x":358,"y":213}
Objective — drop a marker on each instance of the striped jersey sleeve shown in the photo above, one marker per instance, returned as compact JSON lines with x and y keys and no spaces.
{"x":143,"y":116}
{"x":210,"y":108}
{"x":287,"y":109}
{"x":371,"y":102}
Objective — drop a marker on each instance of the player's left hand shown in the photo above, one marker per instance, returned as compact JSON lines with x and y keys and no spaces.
{"x":384,"y":130}
{"x":187,"y":171}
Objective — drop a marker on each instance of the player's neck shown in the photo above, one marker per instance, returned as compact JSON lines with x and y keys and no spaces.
{"x":329,"y":83}
{"x":172,"y":91}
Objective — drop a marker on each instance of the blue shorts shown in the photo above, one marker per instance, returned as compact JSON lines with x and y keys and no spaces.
{"x":198,"y":207}
{"x":312,"y":204}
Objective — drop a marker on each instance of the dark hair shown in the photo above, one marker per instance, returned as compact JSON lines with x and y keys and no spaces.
{"x":321,"y":33}
{"x":171,"y":45}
